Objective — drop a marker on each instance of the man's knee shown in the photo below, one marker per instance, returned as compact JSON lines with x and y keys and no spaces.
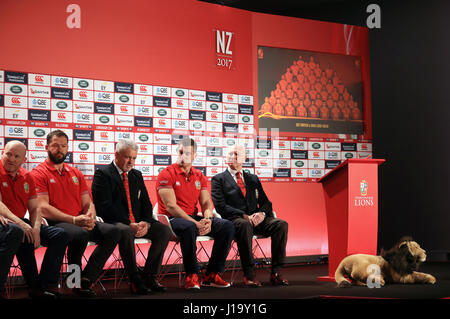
{"x":243,"y":227}
{"x":14,"y":233}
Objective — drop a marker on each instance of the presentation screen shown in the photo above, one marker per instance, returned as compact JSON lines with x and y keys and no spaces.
{"x":303,"y":91}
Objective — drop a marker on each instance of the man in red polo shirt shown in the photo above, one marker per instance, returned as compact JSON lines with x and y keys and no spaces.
{"x":18,"y":194}
{"x":180,"y":187}
{"x":66,"y":203}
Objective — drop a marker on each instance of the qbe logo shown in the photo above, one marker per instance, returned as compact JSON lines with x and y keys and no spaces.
{"x":15,"y":131}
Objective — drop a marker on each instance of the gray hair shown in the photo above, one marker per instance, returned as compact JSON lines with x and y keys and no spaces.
{"x":126,"y":144}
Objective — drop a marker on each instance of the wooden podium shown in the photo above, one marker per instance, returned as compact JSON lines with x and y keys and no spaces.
{"x":351,"y":201}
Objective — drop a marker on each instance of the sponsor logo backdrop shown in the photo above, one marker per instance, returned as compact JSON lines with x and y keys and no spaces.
{"x":97,"y":113}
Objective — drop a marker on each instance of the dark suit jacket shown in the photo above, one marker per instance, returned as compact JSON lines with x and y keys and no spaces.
{"x":110,"y":198}
{"x":229,"y":200}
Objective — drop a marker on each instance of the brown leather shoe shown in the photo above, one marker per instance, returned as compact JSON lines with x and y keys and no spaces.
{"x":252,"y":282}
{"x":277,"y":280}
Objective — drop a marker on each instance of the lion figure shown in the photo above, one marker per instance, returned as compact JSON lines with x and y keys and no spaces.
{"x":397,"y":265}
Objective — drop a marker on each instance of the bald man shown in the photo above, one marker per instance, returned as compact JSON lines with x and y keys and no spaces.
{"x":17,"y":195}
{"x":240,"y":197}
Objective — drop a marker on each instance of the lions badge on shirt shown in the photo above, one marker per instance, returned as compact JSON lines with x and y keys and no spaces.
{"x":75,"y":180}
{"x":26,"y":188}
{"x":198,"y":185}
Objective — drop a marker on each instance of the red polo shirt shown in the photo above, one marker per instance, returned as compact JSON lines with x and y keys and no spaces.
{"x":16,"y":192}
{"x":64,"y":189}
{"x":187,"y":188}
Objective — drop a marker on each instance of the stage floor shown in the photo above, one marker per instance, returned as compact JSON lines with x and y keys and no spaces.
{"x":303,"y":285}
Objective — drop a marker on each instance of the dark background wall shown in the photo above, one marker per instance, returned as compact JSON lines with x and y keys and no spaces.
{"x":410,"y":81}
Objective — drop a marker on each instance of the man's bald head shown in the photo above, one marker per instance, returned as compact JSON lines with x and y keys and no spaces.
{"x":13,"y":156}
{"x":236,"y":156}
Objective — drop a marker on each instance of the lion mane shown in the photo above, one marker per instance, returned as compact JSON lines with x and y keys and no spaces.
{"x":399,"y":264}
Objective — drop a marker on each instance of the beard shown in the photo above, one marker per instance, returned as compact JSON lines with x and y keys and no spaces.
{"x":56,"y":160}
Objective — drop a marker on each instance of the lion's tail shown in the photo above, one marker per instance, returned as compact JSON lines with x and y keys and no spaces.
{"x":339,"y":276}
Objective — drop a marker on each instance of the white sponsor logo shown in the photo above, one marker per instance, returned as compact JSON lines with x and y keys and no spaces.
{"x":264,"y":172}
{"x":214,"y":127}
{"x":104,"y":97}
{"x":16,"y":89}
{"x":197,"y":95}
{"x":123,"y":109}
{"x":83,"y":95}
{"x":162,"y":138}
{"x":162,"y":123}
{"x":230,"y":98}
{"x":230,"y":118}
{"x":246,"y":99}
{"x":38,"y":79}
{"x":299,"y":145}
{"x":197,"y":105}
{"x":145,"y":170}
{"x":39,"y":103}
{"x":246,"y":129}
{"x":105,"y":136}
{"x":79,"y":106}
{"x":105,"y":86}
{"x":230,"y":108}
{"x":144,"y":100}
{"x":332,"y":146}
{"x":61,"y":117}
{"x":84,"y":84}
{"x":316,"y":173}
{"x":214,"y":116}
{"x":180,"y":103}
{"x":179,"y":93}
{"x":83,"y":157}
{"x":214,"y":106}
{"x":83,"y":118}
{"x":61,"y":105}
{"x":61,"y":81}
{"x":103,"y":147}
{"x":124,"y":135}
{"x":16,"y":101}
{"x":16,"y":114}
{"x":122,"y":98}
{"x":143,"y":111}
{"x":162,"y":149}
{"x":161,"y":91}
{"x":180,"y":124}
{"x":121,"y":120}
{"x":316,"y":155}
{"x":37,"y":156}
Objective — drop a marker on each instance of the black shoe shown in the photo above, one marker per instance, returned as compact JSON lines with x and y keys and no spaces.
{"x":138,"y":288}
{"x":154,"y":284}
{"x":42,"y":294}
{"x":85,"y":291}
{"x":277,"y":280}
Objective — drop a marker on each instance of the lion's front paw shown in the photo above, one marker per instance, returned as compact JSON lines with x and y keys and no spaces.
{"x":431,"y":279}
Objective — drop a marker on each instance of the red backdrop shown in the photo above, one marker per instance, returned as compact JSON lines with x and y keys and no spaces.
{"x":171,"y":43}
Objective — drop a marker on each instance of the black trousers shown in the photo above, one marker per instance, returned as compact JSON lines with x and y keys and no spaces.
{"x":11,"y":237}
{"x":274,"y":228}
{"x":222,"y":231}
{"x":106,"y":236}
{"x":55,"y":239}
{"x":159,"y":234}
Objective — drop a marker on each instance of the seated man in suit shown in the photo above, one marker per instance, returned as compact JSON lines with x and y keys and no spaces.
{"x":121,"y":198}
{"x":240,"y":197}
{"x":180,"y":188}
